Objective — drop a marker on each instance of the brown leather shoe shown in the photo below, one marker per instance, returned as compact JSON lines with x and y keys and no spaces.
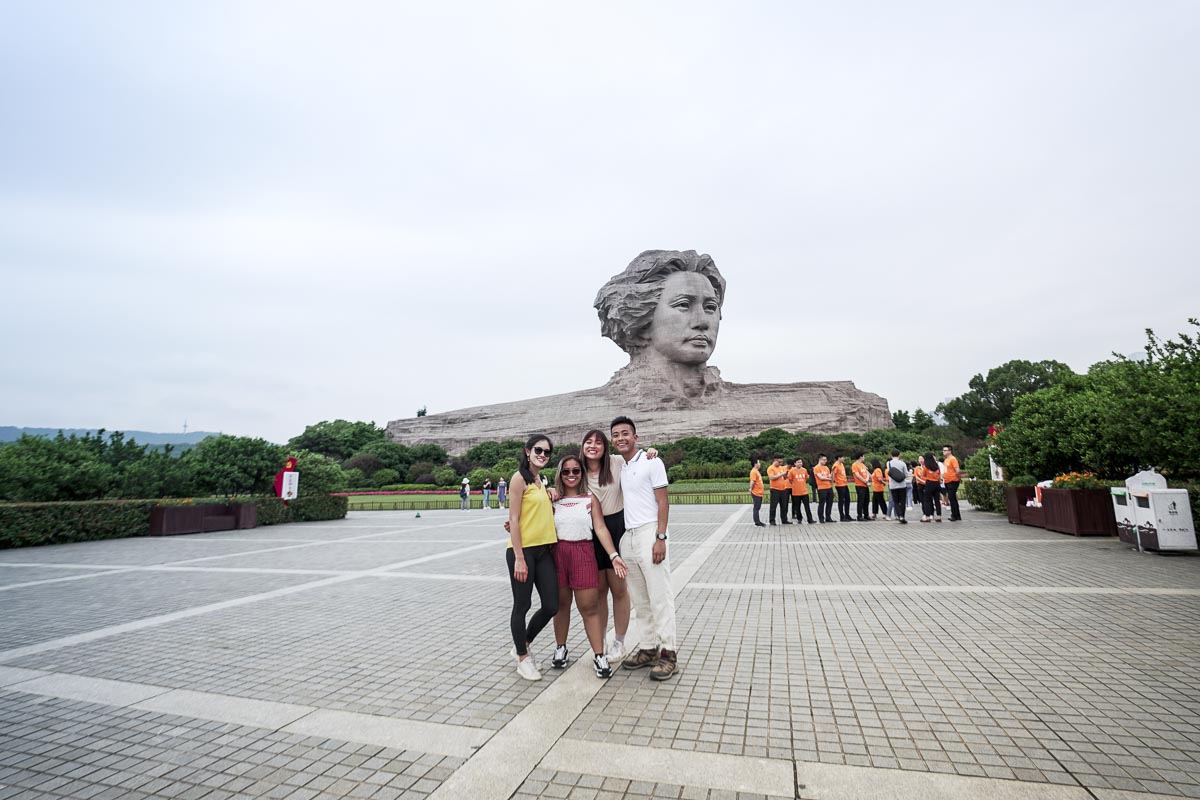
{"x":642,"y":658}
{"x":666,"y":667}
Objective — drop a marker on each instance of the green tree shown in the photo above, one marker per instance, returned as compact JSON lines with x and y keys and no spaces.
{"x":391,"y":455}
{"x":901,"y":420}
{"x":445,"y":476}
{"x":486,"y":453}
{"x":318,"y":474}
{"x":991,"y":399}
{"x":337,"y":439}
{"x":229,"y":465}
{"x":921,"y":420}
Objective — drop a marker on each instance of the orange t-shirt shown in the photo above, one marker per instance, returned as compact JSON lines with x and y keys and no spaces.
{"x":778,"y":476}
{"x":799,"y":478}
{"x":933,"y":475}
{"x":839,"y":473}
{"x":951,"y":466}
{"x":919,"y":473}
{"x":821,"y":473}
{"x":756,"y":485}
{"x":877,"y":480}
{"x":861,"y":474}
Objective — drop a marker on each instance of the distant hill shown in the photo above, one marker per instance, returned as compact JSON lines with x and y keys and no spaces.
{"x":8,"y":433}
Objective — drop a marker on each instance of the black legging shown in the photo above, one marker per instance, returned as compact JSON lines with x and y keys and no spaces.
{"x":932,"y":504}
{"x":899,"y":501}
{"x":843,"y":493}
{"x":863,"y":503}
{"x":797,"y":500}
{"x":879,"y":503}
{"x":825,"y":505}
{"x":542,"y":574}
{"x":952,"y":496}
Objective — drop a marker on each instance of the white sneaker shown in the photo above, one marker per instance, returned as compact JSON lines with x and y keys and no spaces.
{"x":528,"y":670}
{"x":616,"y":652}
{"x":600,"y":664}
{"x":560,"y":657}
{"x":513,"y":652}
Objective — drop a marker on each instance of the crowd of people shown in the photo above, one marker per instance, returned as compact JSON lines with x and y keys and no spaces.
{"x":599,"y":532}
{"x":883,"y":491}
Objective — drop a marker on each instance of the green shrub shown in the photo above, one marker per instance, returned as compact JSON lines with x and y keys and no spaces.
{"x":272,"y":511}
{"x":385,"y":475}
{"x":408,"y":487}
{"x":984,"y":495}
{"x":25,"y":524}
{"x":446,"y":476}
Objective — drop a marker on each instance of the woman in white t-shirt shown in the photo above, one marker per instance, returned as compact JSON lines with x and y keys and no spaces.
{"x":577,"y":515}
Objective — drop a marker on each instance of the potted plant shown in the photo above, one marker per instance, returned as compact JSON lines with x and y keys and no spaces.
{"x":1079,"y":504}
{"x":1017,"y":492}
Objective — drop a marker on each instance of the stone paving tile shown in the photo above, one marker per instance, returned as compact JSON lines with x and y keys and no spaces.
{"x":575,"y":786}
{"x":14,"y":575}
{"x":138,"y":551}
{"x":68,"y":749}
{"x":333,"y":555}
{"x":1056,"y":688}
{"x":39,"y":613}
{"x":425,"y":650}
{"x":1063,"y":561}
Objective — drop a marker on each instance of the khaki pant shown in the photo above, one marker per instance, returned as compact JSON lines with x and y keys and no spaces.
{"x":650,"y":586}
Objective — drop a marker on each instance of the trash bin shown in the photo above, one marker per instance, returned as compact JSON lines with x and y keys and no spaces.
{"x":1152,"y":517}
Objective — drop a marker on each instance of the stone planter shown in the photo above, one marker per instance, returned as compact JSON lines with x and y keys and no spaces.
{"x":172,"y":520}
{"x":1014,"y":501}
{"x":1079,"y":512}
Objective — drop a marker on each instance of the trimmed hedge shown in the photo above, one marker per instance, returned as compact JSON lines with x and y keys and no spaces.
{"x":984,"y":495}
{"x":26,"y":524}
{"x":272,"y":511}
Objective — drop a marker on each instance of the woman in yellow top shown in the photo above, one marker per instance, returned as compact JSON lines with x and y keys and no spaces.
{"x":530,"y":553}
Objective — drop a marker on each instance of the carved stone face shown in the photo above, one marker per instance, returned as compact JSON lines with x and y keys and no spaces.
{"x":685,"y":324}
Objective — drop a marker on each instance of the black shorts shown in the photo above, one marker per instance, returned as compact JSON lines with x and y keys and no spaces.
{"x":616,"y":529}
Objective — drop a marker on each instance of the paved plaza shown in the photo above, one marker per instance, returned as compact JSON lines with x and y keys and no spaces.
{"x":368,"y":658}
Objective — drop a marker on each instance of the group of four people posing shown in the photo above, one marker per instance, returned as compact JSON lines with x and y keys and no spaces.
{"x":601,"y":530}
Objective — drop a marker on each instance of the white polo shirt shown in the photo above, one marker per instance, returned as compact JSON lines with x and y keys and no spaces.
{"x":640,"y":477}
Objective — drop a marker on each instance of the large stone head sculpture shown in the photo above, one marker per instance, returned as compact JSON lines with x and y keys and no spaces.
{"x":665,"y":305}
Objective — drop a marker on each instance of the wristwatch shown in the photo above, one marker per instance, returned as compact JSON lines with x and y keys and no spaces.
{"x":613,"y":554}
{"x":662,"y":537}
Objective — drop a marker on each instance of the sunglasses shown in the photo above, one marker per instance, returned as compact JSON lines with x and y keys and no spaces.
{"x":542,"y":451}
{"x":571,"y":471}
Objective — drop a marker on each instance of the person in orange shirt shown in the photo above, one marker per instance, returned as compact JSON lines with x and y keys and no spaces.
{"x":799,"y":478}
{"x":843,"y":489}
{"x":879,"y":491}
{"x":919,"y":482}
{"x":824,"y":478}
{"x":932,"y":490}
{"x":862,"y":480}
{"x":756,"y":491}
{"x":951,"y":478}
{"x":780,"y":490}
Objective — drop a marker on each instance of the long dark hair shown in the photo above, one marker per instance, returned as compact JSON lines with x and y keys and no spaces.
{"x":931,"y":464}
{"x":523,"y":462}
{"x":605,"y":468}
{"x":875,"y":464}
{"x":558,"y":476}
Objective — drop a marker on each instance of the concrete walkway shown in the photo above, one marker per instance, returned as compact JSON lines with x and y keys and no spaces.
{"x":367,"y":658}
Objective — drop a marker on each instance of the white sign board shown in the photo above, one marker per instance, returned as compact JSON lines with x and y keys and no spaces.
{"x":291,"y":485}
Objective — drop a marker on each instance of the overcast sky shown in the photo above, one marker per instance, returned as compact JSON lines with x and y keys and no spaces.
{"x":255,"y":216}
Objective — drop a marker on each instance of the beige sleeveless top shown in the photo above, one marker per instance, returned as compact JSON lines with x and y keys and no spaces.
{"x":610,"y":497}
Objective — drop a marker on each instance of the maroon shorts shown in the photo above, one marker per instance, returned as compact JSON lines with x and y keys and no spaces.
{"x":576,"y":563}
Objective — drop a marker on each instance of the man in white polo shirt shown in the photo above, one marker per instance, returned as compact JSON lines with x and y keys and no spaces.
{"x":644,"y":550}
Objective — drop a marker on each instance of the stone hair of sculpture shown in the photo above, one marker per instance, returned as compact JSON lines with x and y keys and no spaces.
{"x":626,"y":304}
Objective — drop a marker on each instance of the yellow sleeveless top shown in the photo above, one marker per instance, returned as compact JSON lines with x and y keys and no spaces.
{"x":537,"y":517}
